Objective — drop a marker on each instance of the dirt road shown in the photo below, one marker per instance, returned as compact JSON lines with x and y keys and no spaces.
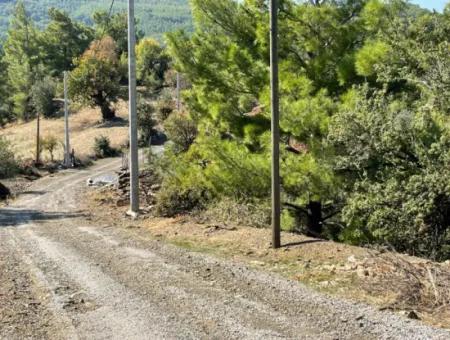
{"x":62,"y":277}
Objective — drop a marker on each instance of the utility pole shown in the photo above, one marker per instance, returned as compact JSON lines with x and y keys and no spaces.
{"x":275,"y":106}
{"x":134,"y":161}
{"x":67,"y":160}
{"x":38,"y":139}
{"x":178,"y":92}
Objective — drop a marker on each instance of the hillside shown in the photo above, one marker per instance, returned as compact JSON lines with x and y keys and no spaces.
{"x":155,"y":16}
{"x":84,"y":125}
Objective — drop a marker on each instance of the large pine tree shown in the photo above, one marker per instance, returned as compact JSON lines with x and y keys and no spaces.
{"x":22,"y":56}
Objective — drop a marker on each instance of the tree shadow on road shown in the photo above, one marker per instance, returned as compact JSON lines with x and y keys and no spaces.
{"x":16,"y":217}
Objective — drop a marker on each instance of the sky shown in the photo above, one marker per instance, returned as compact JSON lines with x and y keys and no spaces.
{"x":431,"y":4}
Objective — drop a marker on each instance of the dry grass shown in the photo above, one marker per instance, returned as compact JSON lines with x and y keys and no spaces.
{"x":418,"y":285}
{"x":85,"y":125}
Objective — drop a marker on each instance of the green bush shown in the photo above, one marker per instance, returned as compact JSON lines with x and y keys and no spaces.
{"x":146,"y":122}
{"x":8,"y":163}
{"x":213,"y":170}
{"x":50,"y":143}
{"x":164,"y":107}
{"x":43,"y":93}
{"x":102,"y":147}
{"x":400,"y":192}
{"x":229,"y":211}
{"x":409,"y":214}
{"x":183,"y":186}
{"x":172,"y":201}
{"x":181,"y":130}
{"x":232,"y":170}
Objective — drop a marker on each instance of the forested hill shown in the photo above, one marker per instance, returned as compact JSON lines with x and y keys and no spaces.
{"x":155,"y":16}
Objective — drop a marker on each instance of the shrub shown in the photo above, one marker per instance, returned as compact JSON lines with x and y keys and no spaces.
{"x":183,"y":185}
{"x":214,"y":170}
{"x":232,"y":170}
{"x":410,"y":214}
{"x":288,"y":221}
{"x":164,"y":107}
{"x":172,"y":201}
{"x":6,"y":113}
{"x":102,"y":147}
{"x":146,"y":122}
{"x":254,"y":213}
{"x":181,"y":130}
{"x":8,"y":163}
{"x":50,"y":144}
{"x":43,"y":93}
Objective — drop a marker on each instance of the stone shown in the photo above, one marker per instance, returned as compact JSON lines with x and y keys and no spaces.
{"x":362,"y":272}
{"x":410,"y":314}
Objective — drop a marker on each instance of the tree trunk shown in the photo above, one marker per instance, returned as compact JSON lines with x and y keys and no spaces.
{"x":107,"y":112}
{"x":314,"y":219}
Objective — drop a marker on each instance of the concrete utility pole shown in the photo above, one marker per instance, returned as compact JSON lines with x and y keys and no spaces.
{"x":178,"y":92}
{"x":134,"y":161}
{"x":274,"y":82}
{"x":67,"y":158}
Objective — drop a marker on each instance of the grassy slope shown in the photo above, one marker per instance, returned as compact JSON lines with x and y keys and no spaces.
{"x":84,"y":125}
{"x":155,"y":16}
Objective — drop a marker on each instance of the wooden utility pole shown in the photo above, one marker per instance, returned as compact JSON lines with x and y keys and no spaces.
{"x":178,"y":92}
{"x":67,"y":157}
{"x":38,"y":139}
{"x":275,"y":106}
{"x":134,"y":161}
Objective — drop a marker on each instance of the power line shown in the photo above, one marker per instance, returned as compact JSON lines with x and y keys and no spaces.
{"x":108,"y":19}
{"x":110,"y":9}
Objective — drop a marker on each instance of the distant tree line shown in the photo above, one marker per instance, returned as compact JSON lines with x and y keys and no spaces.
{"x":32,"y":62}
{"x":155,"y":16}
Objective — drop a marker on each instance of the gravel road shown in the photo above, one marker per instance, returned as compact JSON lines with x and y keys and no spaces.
{"x":62,"y":277}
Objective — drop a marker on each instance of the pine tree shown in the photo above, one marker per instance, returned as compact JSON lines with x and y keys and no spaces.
{"x":23,"y":58}
{"x":64,"y":40}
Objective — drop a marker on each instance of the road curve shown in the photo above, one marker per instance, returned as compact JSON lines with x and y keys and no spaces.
{"x":64,"y":277}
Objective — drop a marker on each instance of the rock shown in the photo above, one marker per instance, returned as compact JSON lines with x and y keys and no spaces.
{"x":32,"y":172}
{"x":331,"y":268}
{"x":103,"y":180}
{"x":362,"y":272}
{"x":350,"y":267}
{"x":351,"y":259}
{"x":4,"y":192}
{"x":155,"y":187}
{"x":410,"y":314}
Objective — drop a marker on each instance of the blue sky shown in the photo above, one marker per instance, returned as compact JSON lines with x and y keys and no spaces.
{"x":431,"y":4}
